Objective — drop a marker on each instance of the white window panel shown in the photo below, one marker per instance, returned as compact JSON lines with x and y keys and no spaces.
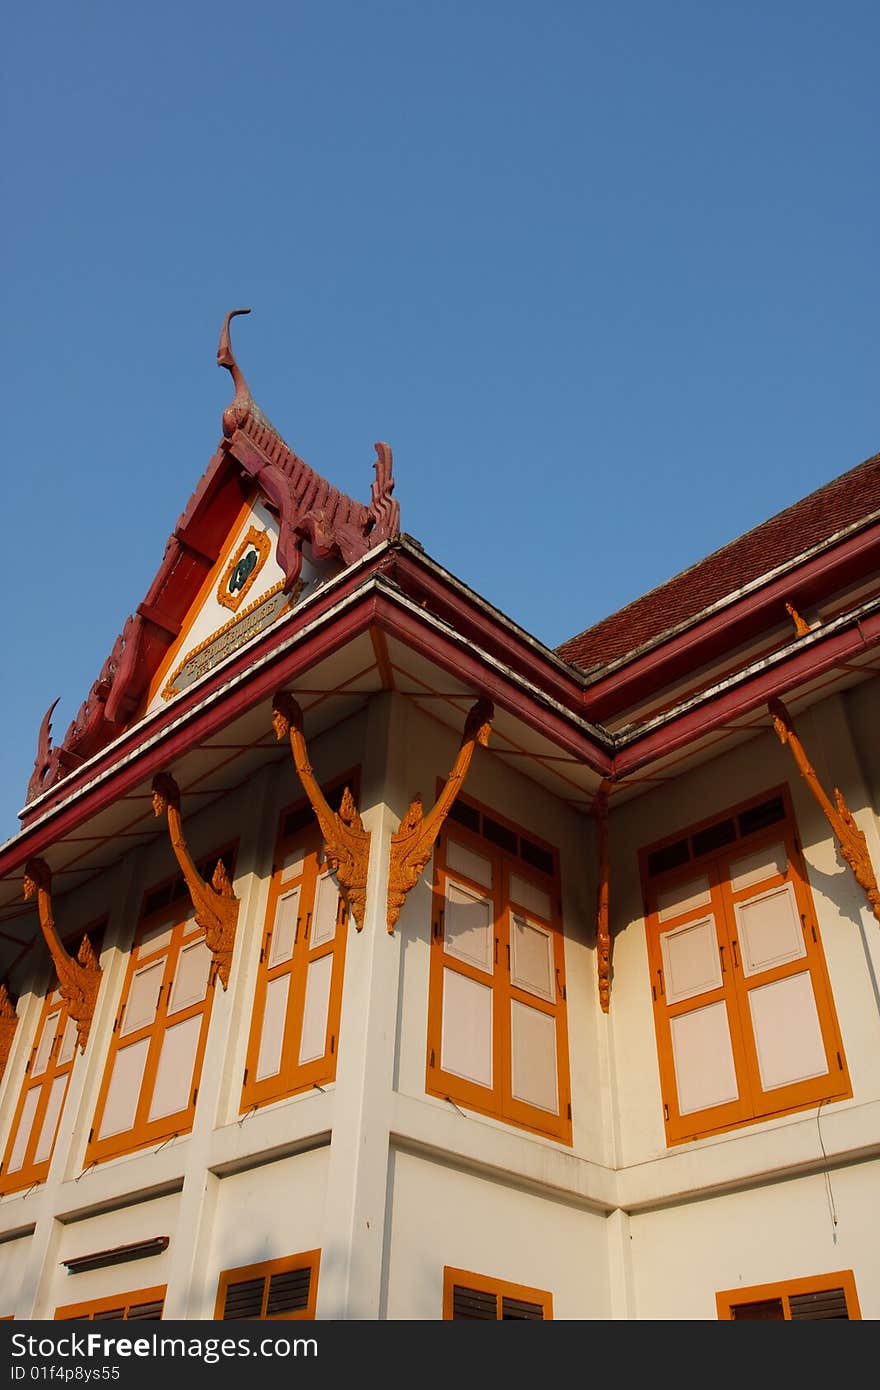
{"x":704,"y":1070}
{"x":754,"y":868}
{"x":272,"y":1031}
{"x":293,"y":861}
{"x":530,"y":896}
{"x":155,"y":938}
{"x":191,"y":976}
{"x":174,"y":1075}
{"x":788,"y":1035}
{"x":124,"y":1090}
{"x":23,"y":1133}
{"x":770,"y":930}
{"x":284,"y":930}
{"x":51,"y":1117}
{"x":684,"y":897}
{"x":316,"y":1009}
{"x":44,"y":1047}
{"x":68,"y":1042}
{"x":143,"y":996}
{"x":468,"y":926}
{"x":466,"y":861}
{"x":531,"y":958}
{"x":326,"y":911}
{"x":466,"y":1049}
{"x":533,"y":1057}
{"x":691,"y":960}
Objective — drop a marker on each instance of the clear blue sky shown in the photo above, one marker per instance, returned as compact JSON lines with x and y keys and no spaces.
{"x":604,"y":275}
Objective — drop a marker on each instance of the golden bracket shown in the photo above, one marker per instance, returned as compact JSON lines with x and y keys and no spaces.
{"x":8,"y":1024}
{"x":603,"y":930}
{"x":215,"y":904}
{"x":346,"y":842}
{"x":851,"y":840}
{"x":414,"y":840}
{"x":78,"y":980}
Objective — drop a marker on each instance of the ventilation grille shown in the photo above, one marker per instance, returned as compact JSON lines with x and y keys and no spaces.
{"x":714,"y":837}
{"x":473,"y":1304}
{"x":501,"y":835}
{"x":828,"y":1303}
{"x":514,"y":1309}
{"x":288,"y":1293}
{"x":761,"y":1311}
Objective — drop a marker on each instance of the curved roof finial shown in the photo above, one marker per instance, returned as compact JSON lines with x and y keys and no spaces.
{"x":242,"y":403}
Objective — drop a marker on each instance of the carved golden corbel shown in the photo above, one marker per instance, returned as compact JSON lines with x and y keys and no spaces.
{"x":801,"y":626}
{"x":346,"y":842}
{"x":603,"y":930}
{"x":8,"y":1024}
{"x":78,"y":980}
{"x":852,"y":842}
{"x":414,"y":840}
{"x":214,"y":903}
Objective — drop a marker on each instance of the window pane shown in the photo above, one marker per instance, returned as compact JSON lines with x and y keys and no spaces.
{"x":315,"y":1013}
{"x":701,"y":1048}
{"x":788,"y":1037}
{"x":68,"y":1043}
{"x":467,"y":931}
{"x":466,"y":861}
{"x":326,"y":911}
{"x":691,"y":960}
{"x":272,"y":1032}
{"x":531,"y":961}
{"x":51,"y":1117}
{"x":284,"y":930}
{"x":683,"y":897}
{"x":467,"y":1028}
{"x":191,"y":977}
{"x":770,"y":930}
{"x":753,"y":868}
{"x":533,"y":1057}
{"x":24,"y":1130}
{"x":44,"y":1047}
{"x":124,"y":1090}
{"x":143,"y":997}
{"x":174,"y":1075}
{"x":529,"y":896}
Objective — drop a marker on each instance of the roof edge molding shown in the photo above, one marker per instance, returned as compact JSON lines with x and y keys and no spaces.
{"x":251,"y":453}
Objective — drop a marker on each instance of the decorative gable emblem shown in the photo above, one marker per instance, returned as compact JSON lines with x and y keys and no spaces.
{"x":243,"y":568}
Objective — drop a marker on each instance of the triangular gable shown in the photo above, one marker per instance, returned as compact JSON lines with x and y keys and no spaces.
{"x":254,"y":481}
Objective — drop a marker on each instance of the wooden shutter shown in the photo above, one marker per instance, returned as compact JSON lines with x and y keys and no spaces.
{"x":473,"y":1304}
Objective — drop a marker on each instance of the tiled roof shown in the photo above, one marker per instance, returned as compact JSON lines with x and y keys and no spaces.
{"x":839,"y":504}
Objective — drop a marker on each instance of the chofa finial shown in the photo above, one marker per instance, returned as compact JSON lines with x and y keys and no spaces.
{"x":241,"y":405}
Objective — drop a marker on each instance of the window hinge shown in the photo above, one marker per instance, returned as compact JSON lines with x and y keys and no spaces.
{"x":117,"y":1020}
{"x":244,"y":1078}
{"x":436,"y":930}
{"x":665,"y":1111}
{"x":332,"y":1042}
{"x":839,"y":1062}
{"x":431,"y":1063}
{"x":195,"y":1095}
{"x":569,"y":1109}
{"x":91,"y":1136}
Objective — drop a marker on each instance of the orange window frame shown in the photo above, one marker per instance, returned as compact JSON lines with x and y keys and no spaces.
{"x":753,"y":1103}
{"x":174,"y":921}
{"x":729,"y":1300}
{"x":47,"y":1074}
{"x":498,"y":1100}
{"x":122,"y":1302}
{"x":299,"y":877}
{"x":500,"y":1288}
{"x":309,"y":1259}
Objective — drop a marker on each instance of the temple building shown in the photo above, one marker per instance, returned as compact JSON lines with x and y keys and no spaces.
{"x":364,"y":958}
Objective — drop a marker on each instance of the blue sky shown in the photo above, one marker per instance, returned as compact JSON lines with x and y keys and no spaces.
{"x":604,"y":275}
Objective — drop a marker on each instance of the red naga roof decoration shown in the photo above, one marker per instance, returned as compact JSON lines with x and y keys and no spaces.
{"x":308,"y":508}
